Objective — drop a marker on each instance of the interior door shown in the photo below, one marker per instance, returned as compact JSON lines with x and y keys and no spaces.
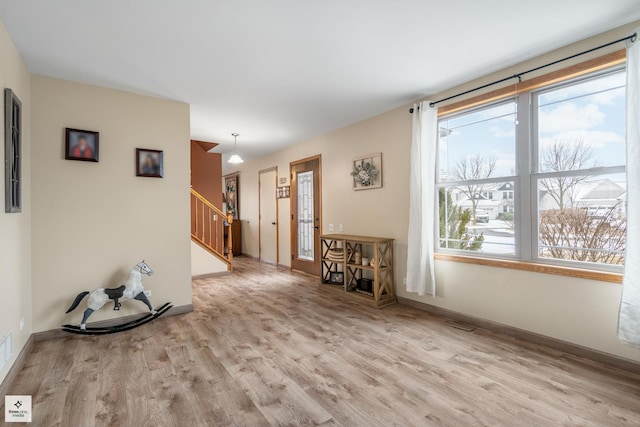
{"x":306,"y":208}
{"x":268,"y":226}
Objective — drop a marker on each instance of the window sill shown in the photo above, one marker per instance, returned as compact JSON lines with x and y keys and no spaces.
{"x":536,"y":268}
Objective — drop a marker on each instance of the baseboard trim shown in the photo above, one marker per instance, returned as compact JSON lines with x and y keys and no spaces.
{"x":278,"y":265}
{"x":304,"y":273}
{"x":532,"y":337}
{"x":15,"y":369}
{"x":211,"y":275}
{"x":59,"y":333}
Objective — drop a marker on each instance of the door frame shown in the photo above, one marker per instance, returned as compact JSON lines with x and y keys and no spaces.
{"x":291,"y":202}
{"x":260,"y":172}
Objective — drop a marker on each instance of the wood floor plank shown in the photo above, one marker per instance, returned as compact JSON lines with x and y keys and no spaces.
{"x":81,"y":399}
{"x":280,"y":399}
{"x":267,"y":347}
{"x":111,"y":400}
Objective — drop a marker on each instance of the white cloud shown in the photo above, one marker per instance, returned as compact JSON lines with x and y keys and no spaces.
{"x":594,"y":138}
{"x":505,"y":163}
{"x":608,"y":97}
{"x":568,"y":116}
{"x":606,"y":86}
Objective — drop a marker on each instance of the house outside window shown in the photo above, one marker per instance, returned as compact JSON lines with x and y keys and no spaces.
{"x":566,"y":204}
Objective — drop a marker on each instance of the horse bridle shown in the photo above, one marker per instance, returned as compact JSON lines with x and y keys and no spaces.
{"x":146,"y":267}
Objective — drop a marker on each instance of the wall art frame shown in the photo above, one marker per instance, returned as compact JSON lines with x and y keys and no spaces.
{"x":83,"y":145}
{"x":12,"y":152}
{"x":366,"y":172}
{"x":232,"y":194}
{"x":149,"y":163}
{"x":283,"y":192}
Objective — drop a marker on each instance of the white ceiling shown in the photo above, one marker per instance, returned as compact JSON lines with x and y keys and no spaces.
{"x":281,"y":71}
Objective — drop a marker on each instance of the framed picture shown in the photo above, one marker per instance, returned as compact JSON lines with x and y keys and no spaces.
{"x":367,"y":172}
{"x":12,"y":152}
{"x":231,"y":194}
{"x":149,"y":163}
{"x":81,"y":145}
{"x":336,"y":277}
{"x":283,"y":192}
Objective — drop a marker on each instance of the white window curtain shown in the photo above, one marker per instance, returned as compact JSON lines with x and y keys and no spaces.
{"x":420,"y":274}
{"x":629,"y":319}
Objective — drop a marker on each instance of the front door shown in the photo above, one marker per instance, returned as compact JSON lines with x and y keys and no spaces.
{"x":306,"y":204}
{"x":268,"y":224}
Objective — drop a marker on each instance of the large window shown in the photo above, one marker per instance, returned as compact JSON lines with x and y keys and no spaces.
{"x":477,"y":164}
{"x":538,"y":177}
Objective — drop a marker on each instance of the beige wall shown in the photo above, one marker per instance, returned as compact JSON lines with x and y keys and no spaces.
{"x":203,"y":263}
{"x":374,"y":212}
{"x":92,"y":222}
{"x":580,"y":311}
{"x":15,"y":228}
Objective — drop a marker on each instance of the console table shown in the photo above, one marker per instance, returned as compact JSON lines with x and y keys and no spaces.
{"x":344,"y":273}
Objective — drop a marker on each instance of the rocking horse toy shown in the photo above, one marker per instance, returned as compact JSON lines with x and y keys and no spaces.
{"x":132,"y":289}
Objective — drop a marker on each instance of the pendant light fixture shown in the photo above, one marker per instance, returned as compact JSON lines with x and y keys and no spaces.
{"x":235,"y":158}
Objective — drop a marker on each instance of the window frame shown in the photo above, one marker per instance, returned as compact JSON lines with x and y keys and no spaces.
{"x":525,"y":181}
{"x":491,"y":180}
{"x":537,"y":175}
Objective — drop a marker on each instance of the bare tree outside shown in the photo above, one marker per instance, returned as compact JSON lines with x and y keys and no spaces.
{"x":570,"y":232}
{"x":474,"y":167}
{"x":575,"y":235}
{"x":565,"y":156}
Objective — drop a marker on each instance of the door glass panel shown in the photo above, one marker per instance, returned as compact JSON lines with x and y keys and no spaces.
{"x":305,"y":216}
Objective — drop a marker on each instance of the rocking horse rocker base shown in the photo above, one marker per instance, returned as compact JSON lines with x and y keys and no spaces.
{"x":104,"y":330}
{"x":131,"y":290}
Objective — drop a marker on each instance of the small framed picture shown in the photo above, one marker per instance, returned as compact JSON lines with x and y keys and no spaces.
{"x":81,"y":145}
{"x":283,"y":192}
{"x":336,"y":277}
{"x":231,"y":194}
{"x":367,"y":172}
{"x":149,"y":163}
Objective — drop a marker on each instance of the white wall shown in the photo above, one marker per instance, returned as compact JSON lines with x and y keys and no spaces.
{"x":15,"y":228}
{"x":580,"y":311}
{"x":92,"y":222}
{"x":203,"y":263}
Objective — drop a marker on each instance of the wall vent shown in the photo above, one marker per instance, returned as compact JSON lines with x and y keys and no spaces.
{"x":6,"y":350}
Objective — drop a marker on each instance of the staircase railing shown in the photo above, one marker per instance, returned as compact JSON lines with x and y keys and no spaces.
{"x":208,"y":225}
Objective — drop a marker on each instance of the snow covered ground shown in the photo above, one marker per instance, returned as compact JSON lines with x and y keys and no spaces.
{"x":499,"y":237}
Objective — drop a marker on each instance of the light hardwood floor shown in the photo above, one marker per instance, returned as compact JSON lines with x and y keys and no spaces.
{"x":267,"y":347}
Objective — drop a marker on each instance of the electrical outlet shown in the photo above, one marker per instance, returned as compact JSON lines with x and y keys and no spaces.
{"x":340,"y":228}
{"x":22,"y":324}
{"x":330,"y":227}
